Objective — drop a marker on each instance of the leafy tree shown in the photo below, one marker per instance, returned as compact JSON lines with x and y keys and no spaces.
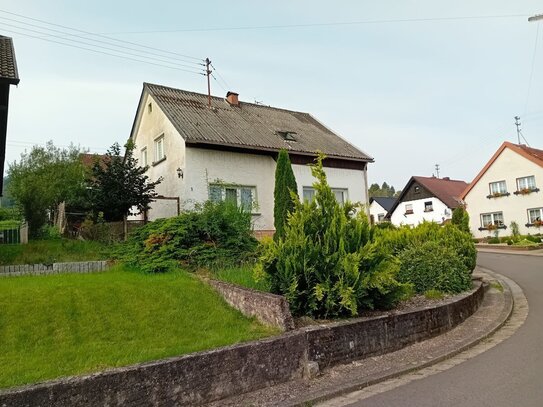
{"x":285,"y":186}
{"x":460,"y":218}
{"x":383,"y":190}
{"x":42,"y":179}
{"x":118,"y":184}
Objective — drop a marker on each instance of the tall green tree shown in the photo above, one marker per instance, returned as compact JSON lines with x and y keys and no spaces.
{"x":383,"y":190}
{"x":118,"y":186}
{"x":285,"y":186}
{"x":460,"y":218}
{"x":42,"y":179}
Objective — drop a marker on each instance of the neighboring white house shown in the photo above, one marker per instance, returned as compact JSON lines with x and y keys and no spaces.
{"x":426,"y":199}
{"x":228,"y":151}
{"x":507,"y":189}
{"x":379,"y":207}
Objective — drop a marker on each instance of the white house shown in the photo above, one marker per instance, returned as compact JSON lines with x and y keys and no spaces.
{"x":227,"y":150}
{"x":426,"y":199}
{"x":379,"y":207}
{"x":507,"y":189}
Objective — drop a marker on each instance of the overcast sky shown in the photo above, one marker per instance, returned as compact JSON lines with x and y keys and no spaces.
{"x":433,"y":89}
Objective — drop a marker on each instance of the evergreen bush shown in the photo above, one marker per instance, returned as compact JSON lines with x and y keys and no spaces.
{"x":433,"y":266}
{"x":214,"y":234}
{"x":285,"y":186}
{"x":460,"y":219}
{"x":325,"y":263}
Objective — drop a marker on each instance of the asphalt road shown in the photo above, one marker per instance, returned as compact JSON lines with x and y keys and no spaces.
{"x":507,"y":375}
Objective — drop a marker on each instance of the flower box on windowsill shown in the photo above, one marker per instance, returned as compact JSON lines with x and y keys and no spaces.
{"x":490,"y":229}
{"x":536,"y":224}
{"x":408,"y":213}
{"x":428,"y":210}
{"x":526,"y":191}
{"x":498,"y":195}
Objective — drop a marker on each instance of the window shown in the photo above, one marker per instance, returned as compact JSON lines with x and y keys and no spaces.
{"x":408,"y":209}
{"x":428,"y":206}
{"x":526,"y":183}
{"x":417,"y":189}
{"x":341,"y":194}
{"x":497,"y":188}
{"x":535,"y":215}
{"x":287,"y":135}
{"x":380,"y":217}
{"x":159,"y":149}
{"x":144,"y":157}
{"x":150,"y":108}
{"x":494,"y":219}
{"x":242,"y":196}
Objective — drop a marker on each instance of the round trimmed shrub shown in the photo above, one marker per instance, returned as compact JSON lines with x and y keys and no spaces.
{"x":432,"y":266}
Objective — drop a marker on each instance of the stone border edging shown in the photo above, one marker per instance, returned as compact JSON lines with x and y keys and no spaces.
{"x":509,"y":247}
{"x":504,"y":316}
{"x":54,"y":268}
{"x":270,"y":309}
{"x":208,"y":376}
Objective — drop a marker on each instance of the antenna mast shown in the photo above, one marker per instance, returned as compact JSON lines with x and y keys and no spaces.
{"x":517,"y":123}
{"x":208,"y":73}
{"x":437,"y":170}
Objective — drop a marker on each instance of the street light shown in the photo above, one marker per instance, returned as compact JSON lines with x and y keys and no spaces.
{"x":537,"y":17}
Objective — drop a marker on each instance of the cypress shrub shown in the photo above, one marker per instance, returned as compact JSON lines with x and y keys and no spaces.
{"x":285,"y":187}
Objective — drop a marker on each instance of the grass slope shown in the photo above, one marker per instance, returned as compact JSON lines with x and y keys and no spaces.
{"x":50,"y":251}
{"x":59,"y":325}
{"x":241,"y":276}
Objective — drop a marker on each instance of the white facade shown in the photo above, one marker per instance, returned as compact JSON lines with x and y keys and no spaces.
{"x":509,"y":166}
{"x":377,"y":212}
{"x":203,"y":168}
{"x":420,"y":210}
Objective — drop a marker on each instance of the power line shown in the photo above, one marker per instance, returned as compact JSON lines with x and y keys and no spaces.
{"x":329,"y":24}
{"x":219,"y":75}
{"x":96,"y":46}
{"x":97,"y":41}
{"x":100,"y":35}
{"x":104,"y":53}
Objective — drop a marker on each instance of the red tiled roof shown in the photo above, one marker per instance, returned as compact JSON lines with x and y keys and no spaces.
{"x":446,"y":190}
{"x":88,"y":160}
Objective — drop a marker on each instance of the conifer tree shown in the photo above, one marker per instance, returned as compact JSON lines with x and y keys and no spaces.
{"x":285,"y":184}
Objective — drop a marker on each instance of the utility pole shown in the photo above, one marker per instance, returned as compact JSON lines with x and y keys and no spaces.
{"x":517,"y":123}
{"x":437,"y":170}
{"x":537,"y":17}
{"x":208,"y":73}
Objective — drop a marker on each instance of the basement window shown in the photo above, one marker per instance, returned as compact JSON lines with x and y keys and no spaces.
{"x":287,"y":135}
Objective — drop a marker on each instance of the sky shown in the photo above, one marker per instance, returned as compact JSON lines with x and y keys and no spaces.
{"x":411,"y":83}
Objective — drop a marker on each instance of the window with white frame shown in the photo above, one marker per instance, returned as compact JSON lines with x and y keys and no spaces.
{"x":242,"y":196}
{"x":159,"y":148}
{"x":408,"y":209}
{"x":526,"y":183}
{"x":144,"y":157}
{"x":498,"y":187}
{"x":341,"y":194}
{"x":380,"y":217}
{"x":535,"y":215}
{"x":494,"y":219}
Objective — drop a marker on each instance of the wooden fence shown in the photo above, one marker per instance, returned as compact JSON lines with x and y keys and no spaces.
{"x":14,"y":235}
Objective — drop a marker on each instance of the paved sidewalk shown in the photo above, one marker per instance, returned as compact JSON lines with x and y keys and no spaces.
{"x":493,"y":313}
{"x":538,"y":252}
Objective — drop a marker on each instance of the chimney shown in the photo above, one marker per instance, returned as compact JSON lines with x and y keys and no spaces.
{"x":232,"y":98}
{"x":447,"y":178}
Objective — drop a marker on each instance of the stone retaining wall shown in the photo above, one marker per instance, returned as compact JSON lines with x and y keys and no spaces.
{"x":207,"y":376}
{"x":361,"y":338}
{"x":54,"y":268}
{"x":270,"y":309}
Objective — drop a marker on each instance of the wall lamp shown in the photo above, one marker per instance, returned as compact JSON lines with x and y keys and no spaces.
{"x":179,"y":173}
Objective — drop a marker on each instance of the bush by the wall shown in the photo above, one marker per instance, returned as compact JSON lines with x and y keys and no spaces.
{"x":325,"y":264}
{"x":214,"y":234}
{"x":494,"y":240}
{"x":433,"y":266}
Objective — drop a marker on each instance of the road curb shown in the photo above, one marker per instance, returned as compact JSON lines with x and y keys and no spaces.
{"x":505,"y":314}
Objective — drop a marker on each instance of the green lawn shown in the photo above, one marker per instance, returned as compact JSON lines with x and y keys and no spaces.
{"x":50,"y":251}
{"x":68,"y":324}
{"x":241,"y":276}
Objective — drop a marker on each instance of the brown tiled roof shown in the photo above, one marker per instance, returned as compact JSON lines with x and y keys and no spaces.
{"x":8,"y":64}
{"x":249,"y":126}
{"x":446,"y":190}
{"x":533,"y":154}
{"x":88,"y":160}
